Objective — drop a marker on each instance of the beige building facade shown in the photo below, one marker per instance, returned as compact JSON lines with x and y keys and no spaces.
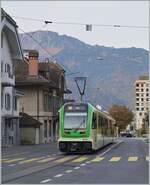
{"x":141,"y":87}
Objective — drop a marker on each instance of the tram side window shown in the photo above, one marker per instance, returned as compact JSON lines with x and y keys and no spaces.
{"x":94,"y":126}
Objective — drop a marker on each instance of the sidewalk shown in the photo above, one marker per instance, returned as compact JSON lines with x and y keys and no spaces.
{"x":41,"y":148}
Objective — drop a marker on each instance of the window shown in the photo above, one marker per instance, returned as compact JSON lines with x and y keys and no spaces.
{"x":2,"y":39}
{"x":137,"y":85}
{"x":2,"y":63}
{"x":15,"y":103}
{"x":137,"y":99}
{"x":94,"y":126}
{"x":7,"y":101}
{"x":142,"y":108}
{"x":7,"y":69}
{"x":146,"y":94}
{"x":141,"y":85}
{"x":137,"y":104}
{"x":147,"y":99}
{"x":142,"y":99}
{"x":137,"y":94}
{"x":2,"y":99}
{"x":147,"y":89}
{"x":45,"y":128}
{"x":46,"y":102}
{"x":142,"y":90}
{"x":137,"y":108}
{"x":140,"y":113}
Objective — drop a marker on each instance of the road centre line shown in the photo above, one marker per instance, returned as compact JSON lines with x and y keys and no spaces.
{"x":46,"y":180}
{"x":82,"y":164}
{"x":68,"y":171}
{"x":110,"y":149}
{"x":59,"y":175}
{"x":97,"y":159}
{"x":115,"y":159}
{"x":133,"y":158}
{"x":11,"y":165}
{"x":77,"y":167}
{"x":88,"y":162}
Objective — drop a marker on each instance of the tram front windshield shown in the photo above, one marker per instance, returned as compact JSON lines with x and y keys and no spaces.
{"x":75,"y":120}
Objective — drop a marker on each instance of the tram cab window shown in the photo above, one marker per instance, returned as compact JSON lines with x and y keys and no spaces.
{"x":94,"y":123}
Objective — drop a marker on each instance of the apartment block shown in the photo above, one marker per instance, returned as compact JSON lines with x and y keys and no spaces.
{"x":141,"y":87}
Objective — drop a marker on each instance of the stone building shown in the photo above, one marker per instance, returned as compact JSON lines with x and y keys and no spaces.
{"x":10,"y":53}
{"x":43,"y":85}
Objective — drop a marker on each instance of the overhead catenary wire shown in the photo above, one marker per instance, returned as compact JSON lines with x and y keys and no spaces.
{"x":80,"y":24}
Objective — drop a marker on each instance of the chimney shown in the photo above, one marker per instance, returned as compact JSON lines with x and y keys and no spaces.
{"x":33,"y":62}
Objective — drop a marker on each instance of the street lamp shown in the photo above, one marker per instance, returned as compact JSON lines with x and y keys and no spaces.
{"x":81,"y":83}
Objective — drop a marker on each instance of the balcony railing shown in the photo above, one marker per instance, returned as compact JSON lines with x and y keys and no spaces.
{"x":7,"y":79}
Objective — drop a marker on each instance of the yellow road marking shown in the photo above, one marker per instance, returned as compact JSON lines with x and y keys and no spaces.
{"x":15,"y":154}
{"x":115,"y":159}
{"x":46,"y":160}
{"x":31,"y":160}
{"x":62,"y":159}
{"x":80,"y":159}
{"x":14,"y":160}
{"x":132,"y":158}
{"x":147,"y":158}
{"x":97,"y":159}
{"x":5,"y":159}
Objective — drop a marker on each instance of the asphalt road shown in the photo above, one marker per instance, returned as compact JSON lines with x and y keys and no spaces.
{"x":124,"y":162}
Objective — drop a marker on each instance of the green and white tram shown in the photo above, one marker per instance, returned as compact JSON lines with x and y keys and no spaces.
{"x":84,"y":128}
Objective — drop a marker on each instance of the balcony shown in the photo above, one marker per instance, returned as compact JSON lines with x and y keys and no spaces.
{"x":7,"y":79}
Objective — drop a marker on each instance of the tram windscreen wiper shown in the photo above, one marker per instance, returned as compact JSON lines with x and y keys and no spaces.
{"x":78,"y":127}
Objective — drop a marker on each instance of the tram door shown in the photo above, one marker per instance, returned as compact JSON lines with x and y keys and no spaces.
{"x":94,"y":130}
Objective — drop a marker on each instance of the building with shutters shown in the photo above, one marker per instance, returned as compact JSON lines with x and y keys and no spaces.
{"x":10,"y":53}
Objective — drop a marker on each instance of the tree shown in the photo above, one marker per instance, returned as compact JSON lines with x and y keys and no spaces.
{"x":122,"y":115}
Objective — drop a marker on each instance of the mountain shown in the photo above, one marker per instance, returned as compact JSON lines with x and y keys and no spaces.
{"x":109,"y":81}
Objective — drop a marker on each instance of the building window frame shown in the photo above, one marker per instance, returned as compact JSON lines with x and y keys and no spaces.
{"x":7,"y":101}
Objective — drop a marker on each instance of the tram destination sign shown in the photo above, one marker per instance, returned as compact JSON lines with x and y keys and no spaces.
{"x":78,"y":108}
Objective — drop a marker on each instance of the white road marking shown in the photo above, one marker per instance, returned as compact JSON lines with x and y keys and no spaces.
{"x":76,"y":168}
{"x":82,"y":164}
{"x":68,"y":171}
{"x":88,"y":162}
{"x":59,"y":175}
{"x":12,"y":165}
{"x":46,"y":180}
{"x":110,"y":148}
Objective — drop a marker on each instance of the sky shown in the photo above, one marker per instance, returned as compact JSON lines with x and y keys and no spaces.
{"x":131,"y":13}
